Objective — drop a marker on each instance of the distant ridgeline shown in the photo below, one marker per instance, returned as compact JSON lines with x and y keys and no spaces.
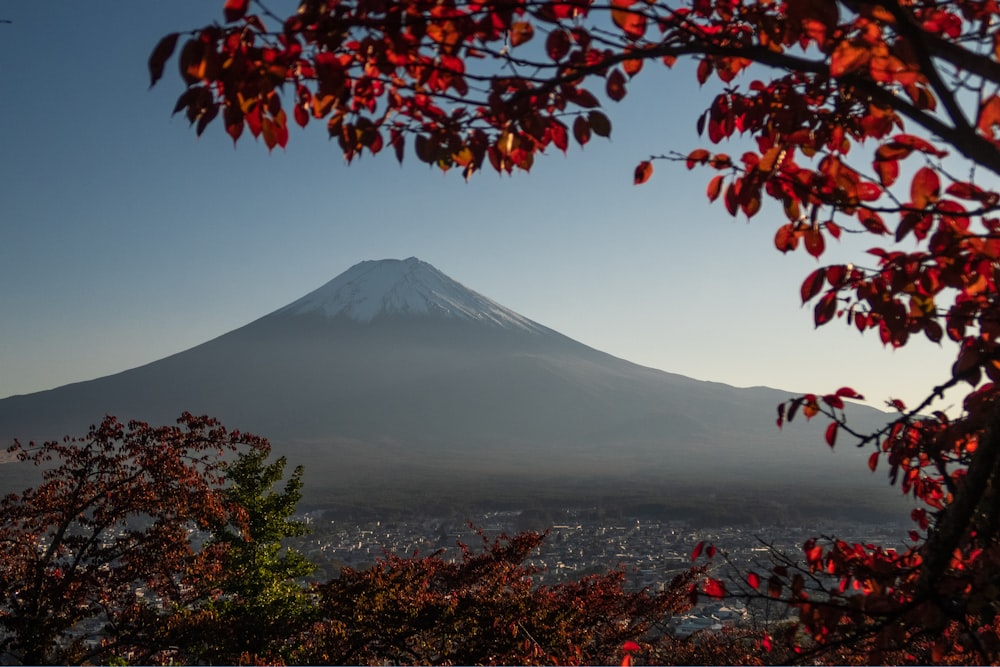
{"x":398,"y":387}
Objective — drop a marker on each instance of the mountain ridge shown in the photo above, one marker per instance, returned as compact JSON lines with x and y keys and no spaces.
{"x":434,"y":398}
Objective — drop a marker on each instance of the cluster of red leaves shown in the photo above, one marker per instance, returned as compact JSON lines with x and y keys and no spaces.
{"x":478,"y":82}
{"x":114,"y":514}
{"x":484,"y":608}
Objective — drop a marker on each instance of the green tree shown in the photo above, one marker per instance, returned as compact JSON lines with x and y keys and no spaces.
{"x":260,"y":598}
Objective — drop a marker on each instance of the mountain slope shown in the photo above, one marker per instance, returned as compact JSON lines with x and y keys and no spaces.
{"x":393,"y":375}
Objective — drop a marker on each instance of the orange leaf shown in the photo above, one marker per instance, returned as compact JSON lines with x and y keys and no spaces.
{"x":521,"y":32}
{"x":696,"y":157}
{"x":631,"y":22}
{"x":714,"y":187}
{"x":849,"y":56}
{"x":888,"y":171}
{"x":642,"y":172}
{"x":989,"y":115}
{"x":786,"y":238}
{"x":925,"y":188}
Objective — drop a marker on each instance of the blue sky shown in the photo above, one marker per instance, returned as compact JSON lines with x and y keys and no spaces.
{"x":124,"y":238}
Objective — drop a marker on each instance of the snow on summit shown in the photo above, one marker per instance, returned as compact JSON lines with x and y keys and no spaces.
{"x":393,"y":287}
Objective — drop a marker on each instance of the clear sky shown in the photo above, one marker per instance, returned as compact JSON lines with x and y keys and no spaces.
{"x":124,"y":238}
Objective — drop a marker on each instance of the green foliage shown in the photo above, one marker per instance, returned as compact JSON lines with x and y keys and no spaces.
{"x":260,"y":597}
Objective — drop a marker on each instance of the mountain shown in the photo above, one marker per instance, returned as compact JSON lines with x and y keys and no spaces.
{"x":395,"y":384}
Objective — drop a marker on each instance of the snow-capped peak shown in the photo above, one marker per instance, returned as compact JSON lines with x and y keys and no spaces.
{"x":409,"y":287}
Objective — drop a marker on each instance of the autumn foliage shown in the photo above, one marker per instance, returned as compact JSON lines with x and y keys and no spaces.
{"x":879,"y":119}
{"x":485,"y":608}
{"x":115,"y":514}
{"x":166,"y":545}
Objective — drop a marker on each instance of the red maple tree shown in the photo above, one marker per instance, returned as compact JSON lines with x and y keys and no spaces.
{"x":103,"y":550}
{"x":878,"y":118}
{"x":485,"y":607}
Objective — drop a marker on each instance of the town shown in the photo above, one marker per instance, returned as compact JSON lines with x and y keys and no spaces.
{"x":651,"y":552}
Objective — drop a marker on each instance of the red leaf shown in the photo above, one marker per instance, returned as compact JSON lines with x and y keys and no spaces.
{"x":831,"y":433}
{"x":847,"y":392}
{"x":599,"y":123}
{"x":581,"y":130}
{"x":301,"y":115}
{"x":704,"y":71}
{"x":642,"y":172}
{"x":918,"y":144}
{"x":233,"y":118}
{"x":557,"y":44}
{"x":873,"y":461}
{"x":697,"y":551}
{"x":834,"y":401}
{"x":615,"y":87}
{"x":583,"y":98}
{"x":560,"y":134}
{"x":825,"y":309}
{"x":234,"y":10}
{"x":766,"y":643}
{"x":872,"y":222}
{"x":158,"y":59}
{"x":812,"y":284}
{"x":731,"y":198}
{"x":786,"y":238}
{"x":631,"y":647}
{"x":868,"y":191}
{"x":815,"y":245}
{"x":753,"y":580}
{"x":715,"y":588}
